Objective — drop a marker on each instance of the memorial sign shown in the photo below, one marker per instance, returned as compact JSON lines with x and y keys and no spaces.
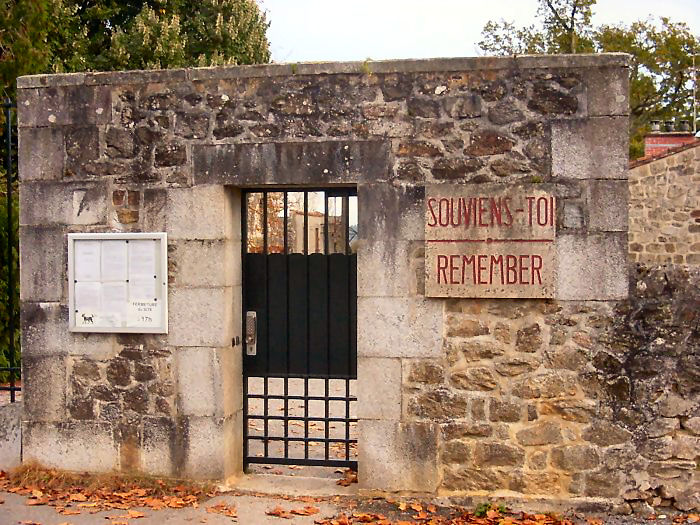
{"x":489,"y":240}
{"x":118,"y":282}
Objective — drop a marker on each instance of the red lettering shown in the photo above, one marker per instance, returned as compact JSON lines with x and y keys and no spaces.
{"x":536,"y":267}
{"x":509,"y":215}
{"x":542,"y":211}
{"x":523,"y":269}
{"x":498,"y":262}
{"x":432,"y":213}
{"x":482,"y":268}
{"x":453,"y":269}
{"x":446,"y":215}
{"x":463,"y":214}
{"x":472,"y":211}
{"x":530,"y":202}
{"x":511,"y":269}
{"x":496,"y":211}
{"x":466,"y":261}
{"x":482,"y":209}
{"x":442,"y":267}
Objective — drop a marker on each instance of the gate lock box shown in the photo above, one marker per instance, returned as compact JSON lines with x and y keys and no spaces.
{"x":251,"y":332}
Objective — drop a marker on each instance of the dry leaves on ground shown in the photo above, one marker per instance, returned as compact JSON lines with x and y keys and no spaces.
{"x":226,"y":510}
{"x":349,"y":477}
{"x":415,"y":513}
{"x":71,"y":494}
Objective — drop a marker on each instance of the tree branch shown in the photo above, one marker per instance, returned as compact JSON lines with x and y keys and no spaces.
{"x":558,"y":18}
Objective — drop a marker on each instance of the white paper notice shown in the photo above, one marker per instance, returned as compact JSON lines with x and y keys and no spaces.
{"x":142,"y":258}
{"x":142,"y":288}
{"x":144,"y":314}
{"x":114,"y":303}
{"x":87,"y":297}
{"x":87,"y":260}
{"x":114,"y":261}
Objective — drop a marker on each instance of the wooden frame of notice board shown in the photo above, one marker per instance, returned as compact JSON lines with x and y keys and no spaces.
{"x":118,"y":282}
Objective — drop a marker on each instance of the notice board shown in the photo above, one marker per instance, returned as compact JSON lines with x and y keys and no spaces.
{"x":118,"y":282}
{"x":490,"y":240}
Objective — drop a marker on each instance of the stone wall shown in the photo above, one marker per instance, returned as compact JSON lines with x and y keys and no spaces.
{"x":168,"y":150}
{"x":564,"y":400}
{"x":665,"y":208}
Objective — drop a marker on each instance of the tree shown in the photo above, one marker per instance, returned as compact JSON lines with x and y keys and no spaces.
{"x":660,"y":74}
{"x":54,"y":36}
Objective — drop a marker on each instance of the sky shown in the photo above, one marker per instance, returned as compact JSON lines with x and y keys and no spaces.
{"x":342,"y":30}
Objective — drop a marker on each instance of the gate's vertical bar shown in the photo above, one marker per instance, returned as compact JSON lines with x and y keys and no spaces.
{"x":308,"y":327}
{"x":286,"y":378}
{"x":267,"y":327}
{"x":326,"y":244}
{"x":244,"y":250}
{"x":10,"y":242}
{"x":346,"y":224}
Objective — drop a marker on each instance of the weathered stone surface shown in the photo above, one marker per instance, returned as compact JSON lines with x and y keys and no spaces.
{"x":120,"y":143}
{"x":44,"y":385}
{"x":378,"y":388}
{"x":63,"y":445}
{"x":607,"y":205}
{"x":472,"y":349}
{"x":547,"y":99}
{"x":464,"y":107}
{"x":590,"y":149}
{"x":507,"y":411}
{"x":11,"y":435}
{"x":498,"y":455}
{"x":472,"y":480}
{"x":596,"y":266}
{"x":543,"y":433}
{"x":41,"y":154}
{"x":42,"y":283}
{"x":488,"y":142}
{"x":421,"y":371}
{"x":399,"y":327}
{"x":465,"y":327}
{"x":515,"y":366}
{"x":456,"y":452}
{"x":455,"y":169}
{"x":398,"y":456}
{"x":311,"y":163}
{"x":465,"y":430}
{"x":478,"y":378}
{"x":604,"y":434}
{"x":573,"y":458}
{"x":439,"y":403}
{"x":505,"y":112}
{"x":545,"y":385}
{"x":529,"y":338}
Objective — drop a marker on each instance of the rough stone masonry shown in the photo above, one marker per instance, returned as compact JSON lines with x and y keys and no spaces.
{"x":532,"y":398}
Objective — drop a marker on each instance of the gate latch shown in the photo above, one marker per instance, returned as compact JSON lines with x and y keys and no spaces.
{"x":251,"y":332}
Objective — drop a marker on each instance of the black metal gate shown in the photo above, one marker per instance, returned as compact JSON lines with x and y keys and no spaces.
{"x":9,"y":261}
{"x":300,"y":307}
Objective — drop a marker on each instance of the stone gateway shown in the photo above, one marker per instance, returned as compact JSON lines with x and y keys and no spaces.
{"x":494,"y":355}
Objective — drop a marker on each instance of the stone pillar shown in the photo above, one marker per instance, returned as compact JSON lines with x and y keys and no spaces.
{"x":396,"y":324}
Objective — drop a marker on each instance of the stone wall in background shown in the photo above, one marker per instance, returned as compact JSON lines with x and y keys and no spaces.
{"x":665,"y":208}
{"x":563,"y":400}
{"x":532,"y":398}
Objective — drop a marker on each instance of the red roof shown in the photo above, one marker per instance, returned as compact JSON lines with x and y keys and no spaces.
{"x":671,"y":151}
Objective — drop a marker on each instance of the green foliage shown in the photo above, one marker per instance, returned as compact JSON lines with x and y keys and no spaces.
{"x":660,"y":72}
{"x":23,"y":47}
{"x":481,"y":509}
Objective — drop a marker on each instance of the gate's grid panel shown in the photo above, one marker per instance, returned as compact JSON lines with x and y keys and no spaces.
{"x":299,"y":275}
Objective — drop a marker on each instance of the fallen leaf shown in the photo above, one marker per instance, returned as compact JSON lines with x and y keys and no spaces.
{"x":279,"y":512}
{"x":306,"y":511}
{"x":693,"y":518}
